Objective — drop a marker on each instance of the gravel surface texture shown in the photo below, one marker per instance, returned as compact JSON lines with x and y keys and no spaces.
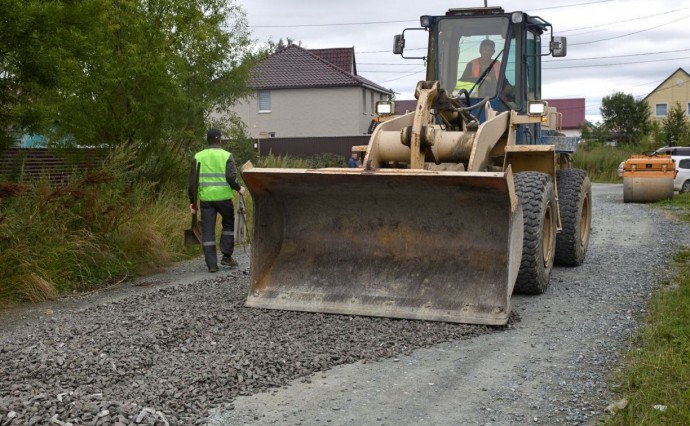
{"x":178,"y":348}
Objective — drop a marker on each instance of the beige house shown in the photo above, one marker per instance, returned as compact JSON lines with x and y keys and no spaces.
{"x":675,"y":89}
{"x":310,"y":93}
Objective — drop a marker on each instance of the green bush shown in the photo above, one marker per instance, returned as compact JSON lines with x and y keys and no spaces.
{"x":601,"y":161}
{"x":97,"y":229}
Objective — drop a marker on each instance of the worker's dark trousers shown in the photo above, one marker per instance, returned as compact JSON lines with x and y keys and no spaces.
{"x":209,"y":211}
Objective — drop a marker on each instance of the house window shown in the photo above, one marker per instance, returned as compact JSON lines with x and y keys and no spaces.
{"x":687,"y":111}
{"x":364,"y":101}
{"x":264,"y":101}
{"x":373,"y":107}
{"x":661,"y":110}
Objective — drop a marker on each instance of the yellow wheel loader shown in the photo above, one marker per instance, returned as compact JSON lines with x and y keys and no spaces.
{"x":457,"y":204}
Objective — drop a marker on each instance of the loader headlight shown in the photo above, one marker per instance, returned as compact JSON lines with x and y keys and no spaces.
{"x":384,"y":108}
{"x":536,"y":108}
{"x":516,"y":17}
{"x":425,"y":21}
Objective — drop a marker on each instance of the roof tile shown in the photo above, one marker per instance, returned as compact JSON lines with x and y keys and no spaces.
{"x":296,"y":67}
{"x":341,"y":57}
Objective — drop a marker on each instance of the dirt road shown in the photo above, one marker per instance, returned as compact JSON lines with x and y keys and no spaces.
{"x":550,"y":368}
{"x":178,"y":348}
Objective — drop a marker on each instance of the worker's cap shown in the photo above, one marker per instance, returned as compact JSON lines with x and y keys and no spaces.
{"x":213,"y":134}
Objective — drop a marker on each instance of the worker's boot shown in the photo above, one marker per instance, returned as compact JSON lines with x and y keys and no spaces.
{"x":229,"y":261}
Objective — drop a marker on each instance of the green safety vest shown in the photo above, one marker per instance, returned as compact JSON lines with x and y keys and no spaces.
{"x":212,"y":183}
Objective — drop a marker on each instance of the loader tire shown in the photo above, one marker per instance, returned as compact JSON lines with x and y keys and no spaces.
{"x":575,"y":202}
{"x":538,"y":200}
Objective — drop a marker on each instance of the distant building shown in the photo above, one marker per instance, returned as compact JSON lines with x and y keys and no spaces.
{"x":573,"y":113}
{"x":310,"y":93}
{"x":674,"y":90}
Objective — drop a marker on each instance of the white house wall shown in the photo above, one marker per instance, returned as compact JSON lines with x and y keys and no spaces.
{"x":309,"y":112}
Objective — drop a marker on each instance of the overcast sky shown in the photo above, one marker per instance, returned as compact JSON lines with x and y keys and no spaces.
{"x":628,"y":46}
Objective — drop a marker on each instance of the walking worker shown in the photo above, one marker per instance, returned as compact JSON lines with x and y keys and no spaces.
{"x":217,"y":180}
{"x":354,"y":161}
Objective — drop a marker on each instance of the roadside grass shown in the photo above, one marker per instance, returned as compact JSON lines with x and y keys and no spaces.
{"x":100,"y":229}
{"x":655,"y":379}
{"x":93,"y":232}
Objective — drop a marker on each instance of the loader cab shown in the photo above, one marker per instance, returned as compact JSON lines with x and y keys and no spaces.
{"x":483,"y":53}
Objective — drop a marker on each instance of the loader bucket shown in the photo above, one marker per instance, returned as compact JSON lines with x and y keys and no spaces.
{"x":401,"y":243}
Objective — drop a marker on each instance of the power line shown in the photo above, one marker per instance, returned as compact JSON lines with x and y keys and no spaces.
{"x":572,"y":5}
{"x":332,"y":24}
{"x":613,"y":56}
{"x":381,"y":63}
{"x":549,"y":61}
{"x":404,"y":21}
{"x":623,"y":21}
{"x":381,"y":71}
{"x":403,"y":76}
{"x":629,"y":34}
{"x":614,"y":64}
{"x":577,"y":44}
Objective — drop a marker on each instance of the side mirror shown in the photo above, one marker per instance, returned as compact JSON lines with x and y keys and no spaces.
{"x":558,"y":47}
{"x":398,"y":44}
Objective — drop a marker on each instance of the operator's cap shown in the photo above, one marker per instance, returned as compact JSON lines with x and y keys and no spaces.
{"x":212,"y":134}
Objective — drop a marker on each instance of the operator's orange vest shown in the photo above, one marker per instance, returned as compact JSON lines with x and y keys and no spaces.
{"x":476,"y":67}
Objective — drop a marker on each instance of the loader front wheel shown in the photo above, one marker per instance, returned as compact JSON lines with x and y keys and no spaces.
{"x":538,"y":200}
{"x":574,"y":199}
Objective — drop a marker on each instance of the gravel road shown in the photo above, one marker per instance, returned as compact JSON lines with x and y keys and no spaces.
{"x":178,"y":348}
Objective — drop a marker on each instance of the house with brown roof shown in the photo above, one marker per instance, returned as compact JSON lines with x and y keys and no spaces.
{"x":572,"y":111}
{"x":675,"y":89}
{"x":310,"y":93}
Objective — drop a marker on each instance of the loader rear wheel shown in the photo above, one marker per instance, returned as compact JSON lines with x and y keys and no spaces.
{"x":538,"y":200}
{"x":574,"y":199}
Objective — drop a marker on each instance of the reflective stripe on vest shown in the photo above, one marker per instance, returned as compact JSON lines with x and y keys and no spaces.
{"x":212,"y":183}
{"x":467,"y":85}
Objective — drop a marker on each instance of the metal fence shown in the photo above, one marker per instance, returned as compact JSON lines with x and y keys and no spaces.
{"x":26,"y":164}
{"x":307,"y":146}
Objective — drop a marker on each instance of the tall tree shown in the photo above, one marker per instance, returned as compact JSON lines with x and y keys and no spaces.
{"x":157,"y":71}
{"x":37,"y":39}
{"x":626,"y":119}
{"x":675,"y":127}
{"x":273,"y":47}
{"x":145,"y":76}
